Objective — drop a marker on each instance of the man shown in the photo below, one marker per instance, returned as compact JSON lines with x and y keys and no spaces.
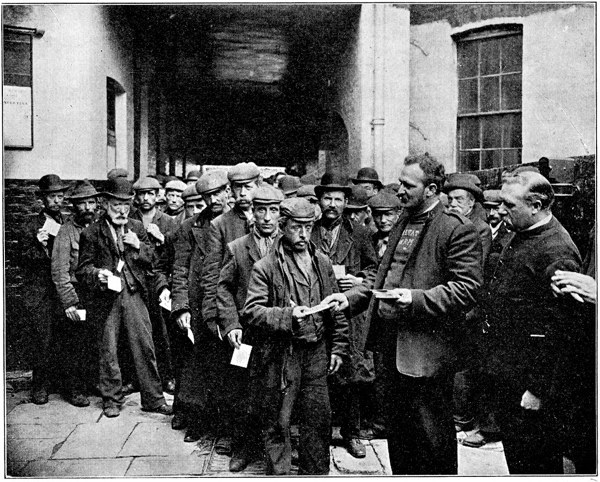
{"x":308,"y":191}
{"x":357,"y":210}
{"x":192,"y":201}
{"x":40,"y":301}
{"x":116,"y":265}
{"x":534,"y":337}
{"x":368,"y":178}
{"x":173,"y":193}
{"x":289,"y":185}
{"x":231,"y":295}
{"x":386,"y":211}
{"x":191,"y":248}
{"x":192,"y":177}
{"x":294,"y":352}
{"x":432,"y":271}
{"x":79,"y":358}
{"x":500,"y":233}
{"x":348,"y":247}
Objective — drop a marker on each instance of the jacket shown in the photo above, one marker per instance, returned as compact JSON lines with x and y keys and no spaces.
{"x":443,"y":273}
{"x":485,"y":235}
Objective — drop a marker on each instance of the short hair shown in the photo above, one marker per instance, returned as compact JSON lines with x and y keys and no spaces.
{"x":538,"y":188}
{"x":433,"y":169}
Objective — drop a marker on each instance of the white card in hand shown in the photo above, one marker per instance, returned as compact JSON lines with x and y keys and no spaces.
{"x":339,"y":270}
{"x":190,"y":334}
{"x":81,"y":314}
{"x":241,"y":356}
{"x":166,"y":304}
{"x":315,"y":309}
{"x":51,"y":227}
{"x":114,"y":283}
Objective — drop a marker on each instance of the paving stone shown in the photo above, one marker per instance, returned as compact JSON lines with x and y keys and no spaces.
{"x":76,"y":468}
{"x":167,"y":466}
{"x":14,"y":468}
{"x":380,"y":447}
{"x":15,"y":399}
{"x":31,"y":449}
{"x":479,"y":461}
{"x":156,"y":439}
{"x":56,"y":411}
{"x":95,"y":441}
{"x":132,"y":410}
{"x":344,"y":463}
{"x":27,"y":431}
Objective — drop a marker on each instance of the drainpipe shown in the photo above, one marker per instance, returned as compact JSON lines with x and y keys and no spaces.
{"x":378,"y":121}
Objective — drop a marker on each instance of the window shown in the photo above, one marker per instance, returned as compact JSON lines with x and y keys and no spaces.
{"x":116,"y":124}
{"x":489,"y":98}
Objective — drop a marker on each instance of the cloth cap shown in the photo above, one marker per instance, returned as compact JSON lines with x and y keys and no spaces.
{"x":193,"y":175}
{"x":368,"y":174}
{"x":267,"y":194}
{"x":289,"y":184}
{"x":384,"y":201}
{"x":525,"y":168}
{"x":298,"y":208}
{"x":119,"y":188}
{"x":176,"y":186}
{"x":52,"y":183}
{"x":358,"y":199}
{"x":491,"y":198}
{"x":333,"y":181}
{"x":190,"y":193}
{"x":464,"y":181}
{"x":307,"y":191}
{"x":83,"y":190}
{"x":146,"y":184}
{"x":211,"y":181}
{"x":117,"y":172}
{"x":244,"y":171}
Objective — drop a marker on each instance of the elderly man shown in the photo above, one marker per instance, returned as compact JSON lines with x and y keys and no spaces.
{"x":293,"y":351}
{"x":427,"y":279}
{"x":348,"y":247}
{"x":173,"y":193}
{"x":191,"y":248}
{"x":534,"y":336}
{"x":116,"y":265}
{"x":231,"y":295}
{"x":368,"y":178}
{"x":40,"y":301}
{"x":78,"y":358}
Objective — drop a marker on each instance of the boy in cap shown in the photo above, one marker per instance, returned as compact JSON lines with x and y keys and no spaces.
{"x":192,"y":177}
{"x":173,"y":193}
{"x":385,"y":207}
{"x":77,"y":337}
{"x":283,"y":284}
{"x":357,"y":209}
{"x":192,"y":201}
{"x":40,"y":302}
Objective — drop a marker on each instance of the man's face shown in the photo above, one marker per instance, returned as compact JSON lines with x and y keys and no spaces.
{"x":516,"y":212}
{"x":174,"y":200}
{"x":332,"y":204}
{"x":242,"y":192}
{"x":146,"y":200}
{"x":217,"y":200}
{"x":370,"y":188}
{"x":193,"y":207}
{"x":118,"y":211}
{"x":413,"y":192}
{"x":53,"y":201}
{"x":493,"y":216}
{"x":460,"y":202}
{"x":358,"y":216}
{"x":385,"y":220}
{"x":266,"y":217}
{"x":86,"y":209}
{"x":297,"y":234}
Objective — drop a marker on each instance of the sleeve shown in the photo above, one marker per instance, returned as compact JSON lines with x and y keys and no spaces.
{"x":340,"y":333}
{"x":61,"y":265}
{"x":226,"y":288}
{"x":86,"y":272}
{"x":181,"y":268}
{"x":145,"y":256}
{"x":210,"y":276}
{"x":368,"y":258}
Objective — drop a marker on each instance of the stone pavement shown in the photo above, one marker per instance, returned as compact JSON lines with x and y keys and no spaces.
{"x":59,"y":440}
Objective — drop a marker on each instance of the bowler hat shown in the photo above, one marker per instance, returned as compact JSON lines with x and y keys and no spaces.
{"x":175,"y":185}
{"x":466,"y":182}
{"x":117,"y":172}
{"x":491,"y":198}
{"x":146,"y":184}
{"x":333,"y":181}
{"x":52,"y":183}
{"x":384,"y":201}
{"x":267,"y":194}
{"x":83,"y":190}
{"x":358,"y":199}
{"x":368,"y":174}
{"x":289,"y":185}
{"x":119,"y":188}
{"x":298,"y":208}
{"x":307,"y":191}
{"x":193,"y":175}
{"x":244,"y":171}
{"x":190,"y":193}
{"x":211,"y":181}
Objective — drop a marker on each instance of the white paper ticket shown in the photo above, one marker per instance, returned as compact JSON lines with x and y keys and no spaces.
{"x":190,"y":334}
{"x":339,"y":270}
{"x":385,"y":294}
{"x":114,"y":283}
{"x":82,"y":314}
{"x":51,"y":227}
{"x":241,"y":356}
{"x":316,"y":309}
{"x":166,"y":304}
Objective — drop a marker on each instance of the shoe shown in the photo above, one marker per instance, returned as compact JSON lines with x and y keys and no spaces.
{"x":169,"y":386}
{"x":223,"y":446}
{"x":111,"y":411}
{"x":79,"y":400}
{"x":192,"y":434}
{"x":464,"y":426}
{"x":475,"y":440}
{"x":356,"y":448}
{"x":178,"y":422}
{"x":164,"y":409}
{"x":39,"y":396}
{"x":238,"y":463}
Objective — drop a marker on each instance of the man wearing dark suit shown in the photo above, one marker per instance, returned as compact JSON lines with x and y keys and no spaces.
{"x":432,"y":271}
{"x":116,"y":263}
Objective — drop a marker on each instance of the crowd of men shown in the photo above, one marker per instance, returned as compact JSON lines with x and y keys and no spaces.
{"x":412,"y":310}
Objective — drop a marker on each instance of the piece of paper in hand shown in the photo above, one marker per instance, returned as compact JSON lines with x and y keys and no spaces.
{"x":114,"y":283}
{"x":385,"y":294}
{"x":339,"y":270}
{"x":51,"y":227}
{"x":166,"y":304}
{"x":316,"y":309}
{"x":241,"y":356}
{"x":190,"y":334}
{"x":81,"y":314}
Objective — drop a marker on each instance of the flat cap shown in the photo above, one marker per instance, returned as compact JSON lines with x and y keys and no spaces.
{"x":193,"y":175}
{"x":176,"y":186}
{"x":267,"y":194}
{"x":307,"y":191}
{"x":384,"y":201}
{"x":211,"y":181}
{"x":52,"y":183}
{"x":117,"y":172}
{"x":289,"y":185}
{"x":146,"y":184}
{"x":119,"y":188}
{"x":358,"y":199}
{"x":466,"y":182}
{"x":298,"y":208}
{"x":190,"y":193}
{"x":491,"y":198}
{"x":244,"y":171}
{"x":333,"y":181}
{"x":368,"y":174}
{"x":83,"y":190}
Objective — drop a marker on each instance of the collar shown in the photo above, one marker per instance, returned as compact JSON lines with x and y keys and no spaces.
{"x":543,"y":222}
{"x":333,"y":225}
{"x":258,"y":234}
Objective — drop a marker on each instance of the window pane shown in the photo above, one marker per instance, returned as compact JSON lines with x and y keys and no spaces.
{"x":467,"y":59}
{"x":511,"y":130}
{"x":511,"y":91}
{"x":512,"y":156}
{"x":17,"y":58}
{"x":469,"y":161}
{"x":467,"y":96}
{"x":491,"y":132}
{"x":490,"y":56}
{"x":468,"y":131}
{"x":512,"y":53}
{"x":490,"y":94}
{"x":490,"y":159}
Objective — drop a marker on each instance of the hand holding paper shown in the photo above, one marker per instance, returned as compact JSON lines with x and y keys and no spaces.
{"x":241,"y":356}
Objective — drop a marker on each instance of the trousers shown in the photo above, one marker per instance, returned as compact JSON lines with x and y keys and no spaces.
{"x":129,"y":313}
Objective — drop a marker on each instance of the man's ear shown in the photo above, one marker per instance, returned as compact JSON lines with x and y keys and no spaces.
{"x":431,"y":190}
{"x":536,"y":206}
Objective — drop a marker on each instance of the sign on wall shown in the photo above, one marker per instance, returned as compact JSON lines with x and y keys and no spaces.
{"x":17,"y":116}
